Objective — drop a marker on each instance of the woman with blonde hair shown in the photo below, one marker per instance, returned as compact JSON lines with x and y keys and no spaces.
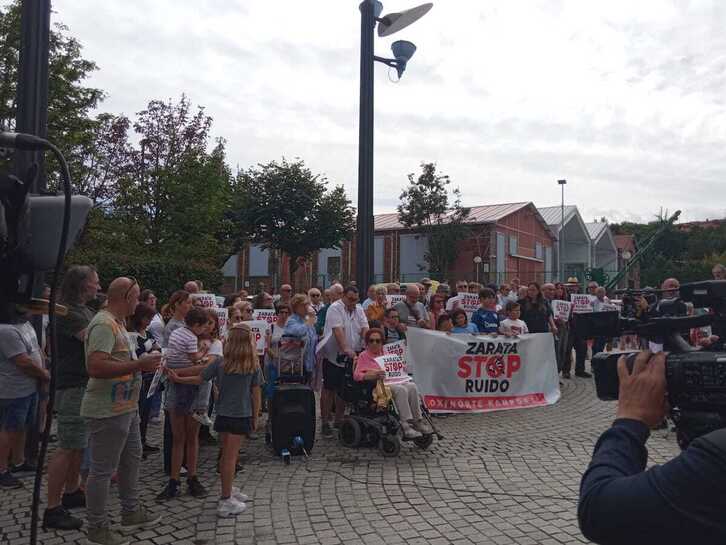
{"x":237,"y":375}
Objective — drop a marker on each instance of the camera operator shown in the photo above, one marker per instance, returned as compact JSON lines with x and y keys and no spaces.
{"x":682,"y":501}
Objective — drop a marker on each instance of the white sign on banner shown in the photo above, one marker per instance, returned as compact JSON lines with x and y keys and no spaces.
{"x":463,"y":374}
{"x":582,"y":302}
{"x":394,"y":367}
{"x":259,"y":334}
{"x":399,"y":348}
{"x":561,"y":310}
{"x":223,"y":318}
{"x":266,"y":314}
{"x":393,"y":300}
{"x":204,"y":300}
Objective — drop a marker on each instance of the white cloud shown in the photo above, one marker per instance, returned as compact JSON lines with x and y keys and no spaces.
{"x":623,"y":99}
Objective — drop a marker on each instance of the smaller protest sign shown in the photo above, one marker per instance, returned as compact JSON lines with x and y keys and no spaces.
{"x":394,"y":367}
{"x":220,"y":300}
{"x":561,"y":310}
{"x":469,"y":302}
{"x":266,"y":314}
{"x":398,"y":348}
{"x":204,"y":300}
{"x":157,"y":378}
{"x":259,"y":333}
{"x":223,"y":318}
{"x":582,"y":302}
{"x":393,"y":300}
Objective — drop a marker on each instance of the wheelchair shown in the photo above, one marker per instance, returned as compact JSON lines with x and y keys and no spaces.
{"x":368,"y":426}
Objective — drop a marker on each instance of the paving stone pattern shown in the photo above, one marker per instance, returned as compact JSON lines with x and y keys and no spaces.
{"x":503,"y":478}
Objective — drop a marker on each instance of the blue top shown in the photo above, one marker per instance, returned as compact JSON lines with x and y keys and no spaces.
{"x":487,"y":321}
{"x":468,"y":328}
{"x":682,"y":501}
{"x":296,"y":327}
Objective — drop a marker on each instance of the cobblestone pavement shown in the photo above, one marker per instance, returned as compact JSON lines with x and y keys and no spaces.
{"x":502,"y":478}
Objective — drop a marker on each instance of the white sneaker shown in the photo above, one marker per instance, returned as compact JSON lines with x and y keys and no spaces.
{"x":203,"y":419}
{"x":230,"y":508}
{"x":238,"y":495}
{"x":409,"y":432}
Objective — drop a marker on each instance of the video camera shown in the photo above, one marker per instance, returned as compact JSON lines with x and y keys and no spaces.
{"x":630,"y":297}
{"x":696,"y":378}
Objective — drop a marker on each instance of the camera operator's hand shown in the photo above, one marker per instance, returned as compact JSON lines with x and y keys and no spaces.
{"x":643,"y":393}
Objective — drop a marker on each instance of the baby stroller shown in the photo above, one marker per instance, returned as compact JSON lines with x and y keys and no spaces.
{"x":291,"y":423}
{"x":366,"y":425}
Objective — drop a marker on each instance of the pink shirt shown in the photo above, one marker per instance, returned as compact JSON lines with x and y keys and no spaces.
{"x":366,"y":362}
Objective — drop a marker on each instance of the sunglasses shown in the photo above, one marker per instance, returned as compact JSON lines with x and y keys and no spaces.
{"x":375,"y":341}
{"x":315,"y":295}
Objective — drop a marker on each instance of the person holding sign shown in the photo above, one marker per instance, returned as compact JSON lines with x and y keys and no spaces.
{"x":405,"y":393}
{"x":411,"y":311}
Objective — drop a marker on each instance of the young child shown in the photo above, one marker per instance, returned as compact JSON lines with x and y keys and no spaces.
{"x":236,"y":376}
{"x":183,"y":351}
{"x":512,"y":325}
{"x":486,"y":318}
{"x":444,"y":323}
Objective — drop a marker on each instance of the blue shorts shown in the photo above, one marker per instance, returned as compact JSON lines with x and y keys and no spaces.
{"x":18,"y":414}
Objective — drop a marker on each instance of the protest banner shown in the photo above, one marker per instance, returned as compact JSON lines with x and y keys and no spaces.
{"x":582,"y":302}
{"x":266,"y":314}
{"x":399,"y":348}
{"x":204,"y":300}
{"x":223,"y":318}
{"x":393,"y":300}
{"x":394,"y":367}
{"x":259,"y":333}
{"x":561,"y":310}
{"x":465,"y":374}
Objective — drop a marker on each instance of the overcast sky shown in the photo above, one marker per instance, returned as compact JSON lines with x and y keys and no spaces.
{"x":626,"y":100}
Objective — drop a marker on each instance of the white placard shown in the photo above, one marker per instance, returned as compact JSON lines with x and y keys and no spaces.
{"x":398,"y":348}
{"x":582,"y":302}
{"x":394,"y":367}
{"x":259,"y":330}
{"x":393,"y":300}
{"x":204,"y":300}
{"x":223,"y":317}
{"x":157,"y":377}
{"x":469,"y":302}
{"x":220,"y":300}
{"x":265,"y":314}
{"x":561,"y":310}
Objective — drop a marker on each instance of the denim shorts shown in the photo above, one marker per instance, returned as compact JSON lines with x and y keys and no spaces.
{"x":72,"y":429}
{"x":180,"y":398}
{"x":18,"y":414}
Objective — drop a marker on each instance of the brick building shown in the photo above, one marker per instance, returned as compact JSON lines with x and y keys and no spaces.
{"x":511,"y":239}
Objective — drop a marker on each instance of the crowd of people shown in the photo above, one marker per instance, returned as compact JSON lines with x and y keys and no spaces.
{"x":112,"y":344}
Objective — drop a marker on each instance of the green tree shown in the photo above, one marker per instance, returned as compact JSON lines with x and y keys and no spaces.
{"x":425,"y":206}
{"x":70,"y":125}
{"x":284,"y":206}
{"x":174,"y":194}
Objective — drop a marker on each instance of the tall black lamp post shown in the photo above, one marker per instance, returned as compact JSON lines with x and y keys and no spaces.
{"x":370,"y":11}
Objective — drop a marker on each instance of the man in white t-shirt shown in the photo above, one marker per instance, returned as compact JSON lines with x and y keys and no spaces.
{"x":345,"y":327}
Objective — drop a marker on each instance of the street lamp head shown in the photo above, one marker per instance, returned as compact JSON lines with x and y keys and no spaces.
{"x":402,"y":52}
{"x":393,"y":22}
{"x":562,"y":182}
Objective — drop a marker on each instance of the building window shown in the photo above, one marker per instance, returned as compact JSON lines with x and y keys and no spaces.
{"x":538,"y":253}
{"x":513,"y":245}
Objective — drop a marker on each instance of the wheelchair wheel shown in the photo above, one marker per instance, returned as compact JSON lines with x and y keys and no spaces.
{"x":350,"y":433}
{"x":424,"y":442}
{"x":390,"y":445}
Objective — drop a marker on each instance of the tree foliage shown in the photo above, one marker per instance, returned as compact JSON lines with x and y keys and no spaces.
{"x":284,"y":206}
{"x":687,"y":254}
{"x":425,"y":206}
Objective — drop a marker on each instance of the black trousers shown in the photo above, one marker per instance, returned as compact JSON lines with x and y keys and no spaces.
{"x":144,"y":406}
